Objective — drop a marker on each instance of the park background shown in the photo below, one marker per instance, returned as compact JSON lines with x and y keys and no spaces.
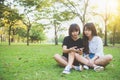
{"x":31,"y":32}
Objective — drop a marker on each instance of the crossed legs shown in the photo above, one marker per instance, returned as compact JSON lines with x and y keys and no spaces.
{"x":103,"y":61}
{"x":62,"y":61}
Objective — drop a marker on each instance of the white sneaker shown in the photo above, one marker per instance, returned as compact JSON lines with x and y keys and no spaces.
{"x":78,"y":68}
{"x":67,"y":70}
{"x":85,"y":67}
{"x":98,"y":68}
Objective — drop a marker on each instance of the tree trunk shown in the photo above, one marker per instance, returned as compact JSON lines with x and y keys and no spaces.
{"x":28,"y":36}
{"x":1,"y":38}
{"x":114,"y":36}
{"x":9,"y":41}
{"x":13,"y":34}
{"x":105,"y":44}
{"x":56,"y":38}
{"x":18,"y":39}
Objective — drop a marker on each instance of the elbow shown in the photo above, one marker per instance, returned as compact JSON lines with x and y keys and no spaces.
{"x":64,"y":51}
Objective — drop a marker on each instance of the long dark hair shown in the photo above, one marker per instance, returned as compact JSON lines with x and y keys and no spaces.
{"x":91,"y":27}
{"x":73,"y":27}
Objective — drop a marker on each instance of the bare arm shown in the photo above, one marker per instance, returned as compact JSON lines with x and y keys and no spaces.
{"x":65,"y":50}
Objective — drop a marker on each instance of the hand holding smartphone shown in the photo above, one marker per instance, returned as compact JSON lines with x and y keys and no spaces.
{"x":80,"y":51}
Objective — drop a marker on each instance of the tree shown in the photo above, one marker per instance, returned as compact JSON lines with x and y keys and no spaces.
{"x":32,"y":8}
{"x":57,"y":17}
{"x":114,"y":27}
{"x":10,"y":18}
{"x":19,"y":31}
{"x":36,"y":33}
{"x":76,"y":8}
{"x":100,"y":33}
{"x":28,"y":24}
{"x":3,"y":8}
{"x":105,"y":18}
{"x":105,"y":15}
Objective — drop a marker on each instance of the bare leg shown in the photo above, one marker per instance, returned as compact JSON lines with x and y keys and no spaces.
{"x":81,"y":59}
{"x":61,"y":60}
{"x":71,"y":58}
{"x":84,"y":60}
{"x":103,"y":61}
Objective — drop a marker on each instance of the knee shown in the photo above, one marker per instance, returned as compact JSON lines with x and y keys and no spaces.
{"x":56,"y":56}
{"x":76,"y":55}
{"x":110,"y":57}
{"x":72,"y":53}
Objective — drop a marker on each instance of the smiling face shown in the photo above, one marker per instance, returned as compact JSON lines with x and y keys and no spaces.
{"x":74,"y":31}
{"x":87,"y":32}
{"x":75,"y":34}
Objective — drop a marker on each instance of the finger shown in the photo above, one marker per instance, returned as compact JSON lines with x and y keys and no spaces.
{"x":74,"y":46}
{"x":81,"y":48}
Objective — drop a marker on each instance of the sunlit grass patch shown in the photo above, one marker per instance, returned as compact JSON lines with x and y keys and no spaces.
{"x":35,"y":62}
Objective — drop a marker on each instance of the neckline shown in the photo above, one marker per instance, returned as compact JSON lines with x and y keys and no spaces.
{"x":76,"y":39}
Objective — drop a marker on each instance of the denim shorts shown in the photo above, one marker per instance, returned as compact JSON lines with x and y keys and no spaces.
{"x":91,"y":55}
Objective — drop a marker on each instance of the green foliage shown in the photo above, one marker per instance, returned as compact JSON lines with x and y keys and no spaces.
{"x":67,"y":15}
{"x":21,"y":32}
{"x":117,"y":38}
{"x":35,"y":62}
{"x":1,"y":1}
{"x":61,"y":37}
{"x":2,"y":9}
{"x":57,"y":15}
{"x":8,"y":18}
{"x":63,"y":16}
{"x":33,"y":8}
{"x":36,"y":33}
{"x":76,"y":8}
{"x":27,"y":2}
{"x":10,"y":14}
{"x":114,"y":27}
{"x":38,"y":4}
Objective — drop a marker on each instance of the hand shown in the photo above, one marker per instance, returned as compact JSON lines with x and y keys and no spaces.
{"x":73,"y":49}
{"x":80,"y":50}
{"x":91,"y":63}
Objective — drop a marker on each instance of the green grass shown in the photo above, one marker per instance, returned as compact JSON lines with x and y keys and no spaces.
{"x":35,"y":62}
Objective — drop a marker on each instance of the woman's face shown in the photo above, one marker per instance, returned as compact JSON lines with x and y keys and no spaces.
{"x":75,"y":34}
{"x":87,"y":32}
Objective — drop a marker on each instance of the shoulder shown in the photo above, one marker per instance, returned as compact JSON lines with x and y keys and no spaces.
{"x":67,"y":38}
{"x":97,"y":39}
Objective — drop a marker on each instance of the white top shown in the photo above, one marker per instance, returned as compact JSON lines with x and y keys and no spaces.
{"x":96,"y":46}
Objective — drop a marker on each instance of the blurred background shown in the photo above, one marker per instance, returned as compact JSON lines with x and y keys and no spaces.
{"x":47,"y":21}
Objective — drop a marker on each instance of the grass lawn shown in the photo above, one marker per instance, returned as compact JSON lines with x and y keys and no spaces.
{"x":35,"y":62}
